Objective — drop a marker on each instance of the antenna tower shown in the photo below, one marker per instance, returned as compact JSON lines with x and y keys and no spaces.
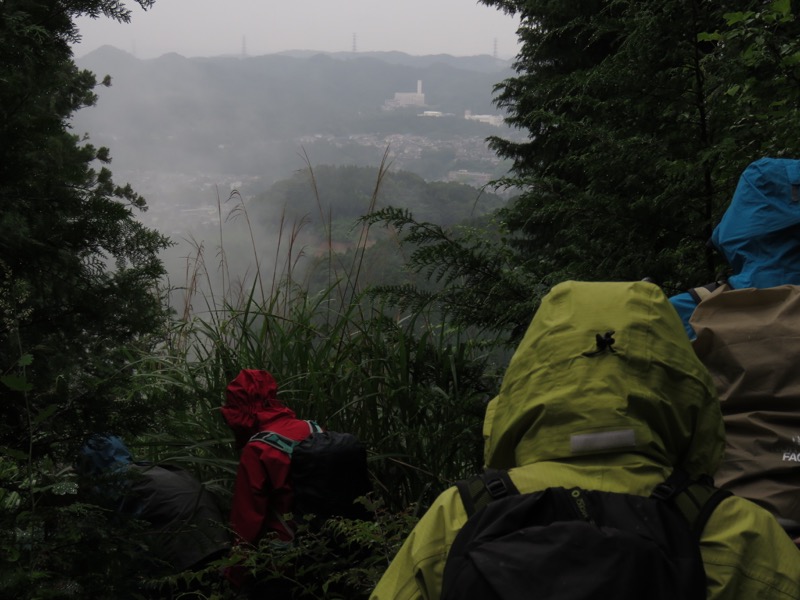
{"x":244,"y":46}
{"x":355,"y":46}
{"x":494,"y":54}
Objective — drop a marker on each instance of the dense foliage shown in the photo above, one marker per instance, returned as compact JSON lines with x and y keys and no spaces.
{"x":77,"y":270}
{"x":77,"y":293}
{"x":640,"y":116}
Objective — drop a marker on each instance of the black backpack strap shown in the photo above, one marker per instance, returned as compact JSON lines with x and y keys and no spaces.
{"x":694,"y":499}
{"x":314,"y":426}
{"x":698,"y":294}
{"x":479,"y":490}
{"x":276,"y":440}
{"x":697,"y":502}
{"x":281,"y":442}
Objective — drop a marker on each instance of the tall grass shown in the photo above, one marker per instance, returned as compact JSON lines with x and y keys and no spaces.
{"x":407,"y":385}
{"x":412,"y":388}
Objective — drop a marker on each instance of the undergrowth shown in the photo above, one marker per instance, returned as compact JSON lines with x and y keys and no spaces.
{"x":409,"y":385}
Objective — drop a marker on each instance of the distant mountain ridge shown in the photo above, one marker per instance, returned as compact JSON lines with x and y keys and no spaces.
{"x":478,"y":62}
{"x":240,"y":114}
{"x":360,"y":82}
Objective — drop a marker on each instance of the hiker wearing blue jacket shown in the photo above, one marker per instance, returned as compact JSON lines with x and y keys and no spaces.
{"x":187,"y":530}
{"x":759,"y":234}
{"x":746,"y":331}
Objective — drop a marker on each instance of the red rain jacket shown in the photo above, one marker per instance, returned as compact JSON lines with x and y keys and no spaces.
{"x":262,"y":491}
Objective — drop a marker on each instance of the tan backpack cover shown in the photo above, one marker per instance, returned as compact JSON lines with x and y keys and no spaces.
{"x":750,"y":341}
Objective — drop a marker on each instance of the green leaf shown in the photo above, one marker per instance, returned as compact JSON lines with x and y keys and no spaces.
{"x":16,"y":383}
{"x":737,"y":17}
{"x":45,"y":414}
{"x":792,"y":59}
{"x":782,"y":7}
{"x":12,"y":453}
{"x":11,"y":554}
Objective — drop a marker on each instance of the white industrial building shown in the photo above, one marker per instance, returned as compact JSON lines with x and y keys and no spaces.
{"x":402,"y":99}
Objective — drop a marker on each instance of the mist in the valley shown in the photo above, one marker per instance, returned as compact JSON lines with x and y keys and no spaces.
{"x":205,"y":140}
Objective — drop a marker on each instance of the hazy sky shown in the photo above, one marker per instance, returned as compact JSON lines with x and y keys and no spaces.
{"x":216,"y":27}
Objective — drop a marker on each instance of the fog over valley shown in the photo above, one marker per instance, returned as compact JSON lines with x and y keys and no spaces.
{"x":204,"y":139}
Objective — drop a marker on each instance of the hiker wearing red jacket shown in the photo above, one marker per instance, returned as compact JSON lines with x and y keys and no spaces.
{"x":262,"y":493}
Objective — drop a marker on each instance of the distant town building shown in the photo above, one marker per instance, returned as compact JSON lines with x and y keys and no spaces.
{"x":473,"y":178}
{"x":402,"y":99}
{"x":495,"y":120}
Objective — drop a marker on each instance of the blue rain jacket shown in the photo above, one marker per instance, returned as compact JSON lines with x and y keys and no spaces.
{"x":759,"y":234}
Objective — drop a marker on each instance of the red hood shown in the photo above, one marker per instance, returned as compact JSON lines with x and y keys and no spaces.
{"x":251,"y":404}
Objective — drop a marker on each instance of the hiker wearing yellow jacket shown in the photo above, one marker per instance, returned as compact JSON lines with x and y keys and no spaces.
{"x":617,"y":421}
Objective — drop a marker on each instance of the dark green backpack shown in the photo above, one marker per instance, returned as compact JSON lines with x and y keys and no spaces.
{"x":579,"y":544}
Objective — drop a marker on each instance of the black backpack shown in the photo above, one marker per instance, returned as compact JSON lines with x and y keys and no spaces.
{"x":579,"y":544}
{"x":328,"y":471}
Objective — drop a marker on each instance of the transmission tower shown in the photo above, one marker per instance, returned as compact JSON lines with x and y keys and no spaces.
{"x":355,"y":46}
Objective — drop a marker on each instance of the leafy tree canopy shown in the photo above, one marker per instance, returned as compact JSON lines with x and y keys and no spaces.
{"x":77,"y":270}
{"x":638,"y":125}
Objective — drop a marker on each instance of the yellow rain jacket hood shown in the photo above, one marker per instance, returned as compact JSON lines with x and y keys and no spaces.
{"x":606,"y":369}
{"x":605,"y":392}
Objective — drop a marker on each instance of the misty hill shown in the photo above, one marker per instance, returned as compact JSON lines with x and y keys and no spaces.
{"x":343,"y":194}
{"x":252,"y":115}
{"x":329,"y":210}
{"x":314,"y":216}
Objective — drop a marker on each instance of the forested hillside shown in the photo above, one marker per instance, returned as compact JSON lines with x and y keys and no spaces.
{"x":344,"y":194}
